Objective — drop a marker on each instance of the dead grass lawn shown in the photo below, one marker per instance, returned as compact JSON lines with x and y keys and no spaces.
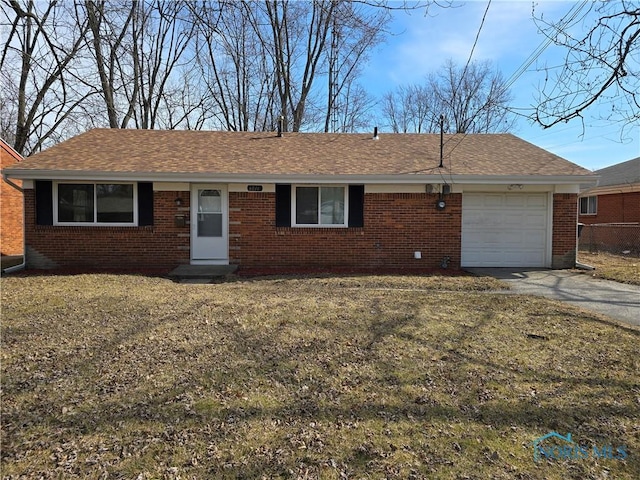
{"x":613,"y":267}
{"x":347,"y":377}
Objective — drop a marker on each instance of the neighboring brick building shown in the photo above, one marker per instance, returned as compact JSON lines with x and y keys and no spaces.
{"x":140,"y":198}
{"x":616,"y":197}
{"x":11,"y":205}
{"x":610,"y":211}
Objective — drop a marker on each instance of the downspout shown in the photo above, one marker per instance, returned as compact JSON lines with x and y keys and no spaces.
{"x":9,"y":182}
{"x":22,"y":265}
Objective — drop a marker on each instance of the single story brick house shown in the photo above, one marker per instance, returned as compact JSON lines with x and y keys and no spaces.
{"x":11,"y":228}
{"x":615,"y":198}
{"x":141,"y":198}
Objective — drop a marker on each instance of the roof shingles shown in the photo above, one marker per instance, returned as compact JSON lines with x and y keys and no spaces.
{"x":625,"y":173}
{"x":250,"y":153}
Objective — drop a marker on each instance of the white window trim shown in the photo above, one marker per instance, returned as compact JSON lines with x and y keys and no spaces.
{"x":580,"y":205}
{"x":95,"y":223}
{"x":318,"y":225}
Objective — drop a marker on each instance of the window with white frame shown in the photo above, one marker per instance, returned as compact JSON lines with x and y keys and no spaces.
{"x":589,"y":205}
{"x":95,"y":203}
{"x":319,"y":206}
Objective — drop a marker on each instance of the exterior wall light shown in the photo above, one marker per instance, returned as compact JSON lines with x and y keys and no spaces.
{"x":178,"y":201}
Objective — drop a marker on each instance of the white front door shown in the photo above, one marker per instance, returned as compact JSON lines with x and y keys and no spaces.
{"x":209,"y":225}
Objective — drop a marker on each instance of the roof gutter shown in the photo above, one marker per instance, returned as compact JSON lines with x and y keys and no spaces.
{"x":5,"y":178}
{"x":199,"y":177}
{"x":611,"y":189}
{"x":22,"y":265}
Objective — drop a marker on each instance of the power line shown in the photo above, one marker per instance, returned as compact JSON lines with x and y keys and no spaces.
{"x":564,"y":22}
{"x":464,"y":72}
{"x":571,"y":14}
{"x":475,"y":42}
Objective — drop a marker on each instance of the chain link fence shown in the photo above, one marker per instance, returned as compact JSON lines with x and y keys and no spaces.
{"x":618,"y":238}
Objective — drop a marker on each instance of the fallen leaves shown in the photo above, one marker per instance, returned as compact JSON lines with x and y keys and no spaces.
{"x":332,"y":377}
{"x":619,"y":268}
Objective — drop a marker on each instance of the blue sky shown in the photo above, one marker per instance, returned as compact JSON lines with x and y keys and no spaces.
{"x":421,"y":44}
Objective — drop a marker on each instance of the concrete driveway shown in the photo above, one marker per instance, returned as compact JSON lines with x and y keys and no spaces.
{"x":617,"y":300}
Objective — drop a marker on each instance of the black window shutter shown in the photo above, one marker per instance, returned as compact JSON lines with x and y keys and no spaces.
{"x":283,"y":205}
{"x":44,"y":202}
{"x":145,"y":203}
{"x":356,"y":205}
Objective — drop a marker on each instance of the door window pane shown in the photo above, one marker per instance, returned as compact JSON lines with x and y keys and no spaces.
{"x":307,"y":205}
{"x":209,"y":224}
{"x":114,"y":203}
{"x":209,"y":201}
{"x":75,"y":202}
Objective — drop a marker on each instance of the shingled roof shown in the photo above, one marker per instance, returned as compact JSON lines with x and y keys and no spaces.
{"x":138,"y":152}
{"x":625,"y":173}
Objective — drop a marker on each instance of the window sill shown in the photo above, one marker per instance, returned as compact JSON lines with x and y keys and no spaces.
{"x":315,"y":227}
{"x":97,"y":228}
{"x":98,"y":225}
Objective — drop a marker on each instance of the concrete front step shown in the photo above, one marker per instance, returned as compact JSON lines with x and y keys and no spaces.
{"x":188,"y":273}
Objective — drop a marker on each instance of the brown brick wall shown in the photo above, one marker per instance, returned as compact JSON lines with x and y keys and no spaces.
{"x":565,"y":212}
{"x":615,"y":208}
{"x":395,"y":226}
{"x":162,"y":245}
{"x":11,"y":236}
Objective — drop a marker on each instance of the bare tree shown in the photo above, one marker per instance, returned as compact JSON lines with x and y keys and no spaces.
{"x":165,"y":35}
{"x":298,"y":48}
{"x":271,"y":58}
{"x":238,"y":65}
{"x":38,"y":93}
{"x":235,"y":66}
{"x":354,"y":109}
{"x":411,"y":108}
{"x":137,"y":48}
{"x":602,"y":64}
{"x":355,"y":30}
{"x":8,"y":109}
{"x":186,"y":104}
{"x":473,"y":99}
{"x":108,"y":32}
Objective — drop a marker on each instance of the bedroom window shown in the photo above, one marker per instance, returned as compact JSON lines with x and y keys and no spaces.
{"x":589,"y":205}
{"x":95,"y":204}
{"x":319,"y":206}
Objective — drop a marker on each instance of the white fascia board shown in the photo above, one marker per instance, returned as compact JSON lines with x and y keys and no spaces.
{"x":522,"y":179}
{"x":27,"y":174}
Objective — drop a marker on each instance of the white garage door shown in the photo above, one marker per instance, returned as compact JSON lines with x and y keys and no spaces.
{"x":504,"y":229}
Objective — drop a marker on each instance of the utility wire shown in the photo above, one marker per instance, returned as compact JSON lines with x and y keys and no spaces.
{"x":464,"y":72}
{"x":475,"y":42}
{"x":564,"y":22}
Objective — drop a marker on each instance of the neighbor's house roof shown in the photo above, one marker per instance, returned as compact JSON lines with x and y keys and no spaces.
{"x":236,"y":156}
{"x":620,"y":178}
{"x":8,"y":155}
